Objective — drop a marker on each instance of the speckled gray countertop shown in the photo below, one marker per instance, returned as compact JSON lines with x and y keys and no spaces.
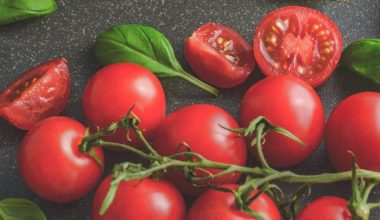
{"x":71,"y":32}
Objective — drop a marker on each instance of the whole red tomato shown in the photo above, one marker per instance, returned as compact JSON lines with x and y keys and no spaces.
{"x":200,"y":127}
{"x":138,"y":200}
{"x":39,"y":93}
{"x":292,"y":104}
{"x":354,"y":126}
{"x":298,"y":41}
{"x":326,"y":207}
{"x":114,"y":90}
{"x":52,"y":165}
{"x":218,"y":205}
{"x":219,"y":55}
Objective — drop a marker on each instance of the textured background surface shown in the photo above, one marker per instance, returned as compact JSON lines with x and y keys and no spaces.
{"x":71,"y":33}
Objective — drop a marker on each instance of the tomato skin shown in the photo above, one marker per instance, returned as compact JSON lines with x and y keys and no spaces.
{"x":135,"y":200}
{"x":199,"y":126}
{"x":51,"y":164}
{"x":298,"y":41}
{"x":218,"y":205}
{"x":292,"y":104}
{"x":354,"y":126}
{"x":326,"y":207}
{"x":39,"y":93}
{"x":210,"y":64}
{"x":112,"y":92}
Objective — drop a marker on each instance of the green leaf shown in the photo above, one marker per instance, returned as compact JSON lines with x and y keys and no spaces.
{"x":16,"y":10}
{"x":144,"y":46}
{"x":363,"y":58}
{"x":20,"y":209}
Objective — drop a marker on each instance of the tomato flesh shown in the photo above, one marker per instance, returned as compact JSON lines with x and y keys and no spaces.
{"x":39,"y":93}
{"x":298,"y":41}
{"x":219,"y":55}
{"x":326,"y":207}
{"x":218,"y":205}
{"x":136,"y":200}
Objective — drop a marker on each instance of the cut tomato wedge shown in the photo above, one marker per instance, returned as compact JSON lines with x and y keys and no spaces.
{"x":298,"y":41}
{"x":39,"y":93}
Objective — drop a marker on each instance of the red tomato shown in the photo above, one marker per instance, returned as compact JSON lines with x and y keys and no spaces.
{"x":219,"y":55}
{"x":298,"y":41}
{"x":200,"y":127}
{"x":39,"y":93}
{"x":113,"y":91}
{"x":326,"y":207}
{"x":52,"y":165}
{"x":218,"y":205}
{"x":137,"y":200}
{"x":291,"y":104}
{"x":354,"y":126}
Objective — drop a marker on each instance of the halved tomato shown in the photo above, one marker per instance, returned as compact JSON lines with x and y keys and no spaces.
{"x":219,"y":55}
{"x":298,"y":41}
{"x":39,"y":93}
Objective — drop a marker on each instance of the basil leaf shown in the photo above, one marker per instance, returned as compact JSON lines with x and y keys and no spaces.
{"x":363,"y":58}
{"x":144,"y":46}
{"x":20,"y":209}
{"x":16,"y":10}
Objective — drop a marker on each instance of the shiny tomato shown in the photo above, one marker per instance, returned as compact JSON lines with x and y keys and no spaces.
{"x":137,"y":200}
{"x":218,"y":205}
{"x":326,"y":207}
{"x":114,"y":90}
{"x":52,"y":165}
{"x":291,"y":104}
{"x":298,"y":41}
{"x":354,"y":126}
{"x":219,"y":55}
{"x":200,"y":127}
{"x":39,"y":93}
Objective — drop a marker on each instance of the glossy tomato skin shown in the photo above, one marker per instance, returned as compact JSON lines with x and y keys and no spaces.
{"x":218,"y":205}
{"x":326,"y":207}
{"x":354,"y":126}
{"x":51,"y":164}
{"x":292,"y":104}
{"x":219,"y":55}
{"x":199,"y":126}
{"x":298,"y":41}
{"x":135,"y":200}
{"x":39,"y":93}
{"x":114,"y":90}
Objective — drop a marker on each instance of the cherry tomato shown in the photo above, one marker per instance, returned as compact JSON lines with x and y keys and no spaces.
{"x":52,"y":165}
{"x":219,"y":55}
{"x":354,"y":126}
{"x":291,"y":104}
{"x":218,"y":205}
{"x":39,"y":93}
{"x":137,"y":200}
{"x":200,"y":127}
{"x":114,"y":90}
{"x":298,"y":41}
{"x":326,"y":207}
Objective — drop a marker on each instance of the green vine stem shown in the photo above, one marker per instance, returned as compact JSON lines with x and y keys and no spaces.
{"x":260,"y":175}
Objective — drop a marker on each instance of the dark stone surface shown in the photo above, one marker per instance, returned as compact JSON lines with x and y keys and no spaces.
{"x":71,"y":33}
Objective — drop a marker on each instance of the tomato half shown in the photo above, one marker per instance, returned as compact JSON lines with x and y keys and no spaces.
{"x":52,"y":165}
{"x":326,"y":207}
{"x":38,"y":94}
{"x":354,"y":126}
{"x":138,"y":200}
{"x":114,"y":90}
{"x":218,"y":205}
{"x":292,"y":104}
{"x":200,"y":127}
{"x":219,"y":55}
{"x":298,"y":41}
